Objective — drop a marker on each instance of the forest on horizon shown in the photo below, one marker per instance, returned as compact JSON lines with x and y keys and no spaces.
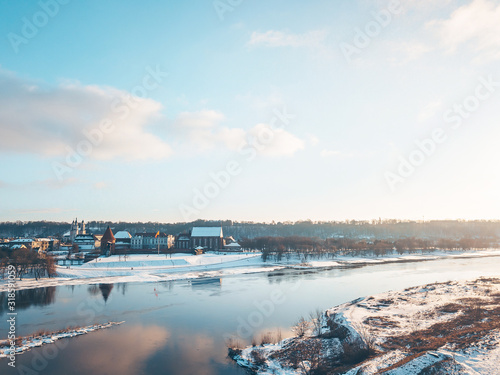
{"x":372,"y":230}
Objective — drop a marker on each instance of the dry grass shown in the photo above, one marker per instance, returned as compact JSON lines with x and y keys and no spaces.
{"x":460,"y":323}
{"x":470,"y":325}
{"x":381,"y":322}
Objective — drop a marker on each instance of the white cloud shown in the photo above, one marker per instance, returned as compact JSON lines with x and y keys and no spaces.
{"x":54,"y":121}
{"x":329,"y":153}
{"x":312,"y":139}
{"x":273,"y":38}
{"x":429,"y":110}
{"x":48,"y":120}
{"x":201,"y":119}
{"x":422,"y":5}
{"x":337,"y":154}
{"x":201,"y":131}
{"x":275,"y":142}
{"x":402,"y":52}
{"x":475,"y":25}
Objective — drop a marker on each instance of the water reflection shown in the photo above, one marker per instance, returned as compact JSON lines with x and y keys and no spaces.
{"x":190,"y":353}
{"x":30,"y":297}
{"x":204,"y":284}
{"x":122,"y":288}
{"x":121,"y":350}
{"x":93,"y":290}
{"x":105,"y":290}
{"x":281,"y":276}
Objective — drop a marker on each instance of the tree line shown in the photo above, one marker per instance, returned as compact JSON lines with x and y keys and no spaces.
{"x":374,"y":229}
{"x":277,"y":247}
{"x":27,"y":263}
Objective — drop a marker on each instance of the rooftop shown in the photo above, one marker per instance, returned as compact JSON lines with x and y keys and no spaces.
{"x":206,"y":232}
{"x":122,"y":234}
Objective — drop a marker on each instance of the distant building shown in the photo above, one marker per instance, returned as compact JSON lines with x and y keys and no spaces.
{"x":183,"y":241}
{"x":85,"y":242}
{"x":151,"y":240}
{"x":18,"y":247}
{"x":76,"y":229}
{"x":230,"y":244}
{"x":21,"y":243}
{"x":108,"y":241}
{"x":210,"y":238}
{"x":41,"y":245}
{"x":123,"y":240}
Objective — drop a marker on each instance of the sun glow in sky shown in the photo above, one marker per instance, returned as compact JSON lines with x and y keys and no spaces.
{"x":249,"y":110}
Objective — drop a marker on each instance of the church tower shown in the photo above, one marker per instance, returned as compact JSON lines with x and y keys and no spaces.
{"x":76,"y":229}
{"x":72,"y":231}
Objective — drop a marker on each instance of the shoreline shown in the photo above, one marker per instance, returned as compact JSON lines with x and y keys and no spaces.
{"x":434,"y":328}
{"x":33,"y":341}
{"x":189,"y":267}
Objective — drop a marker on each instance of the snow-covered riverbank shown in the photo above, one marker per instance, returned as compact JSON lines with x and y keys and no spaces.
{"x":157,"y":268}
{"x":440,"y":328}
{"x":27,"y":343}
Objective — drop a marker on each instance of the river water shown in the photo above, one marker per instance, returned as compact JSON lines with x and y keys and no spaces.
{"x":181,"y":327}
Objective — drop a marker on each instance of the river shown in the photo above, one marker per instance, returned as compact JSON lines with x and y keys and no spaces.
{"x":181,"y":327}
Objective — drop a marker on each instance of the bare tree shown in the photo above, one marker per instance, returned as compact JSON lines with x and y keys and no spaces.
{"x":316,"y":317}
{"x":301,"y":327}
{"x":50,"y":265}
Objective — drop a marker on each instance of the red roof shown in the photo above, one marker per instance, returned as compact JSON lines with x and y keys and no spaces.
{"x":108,"y":236}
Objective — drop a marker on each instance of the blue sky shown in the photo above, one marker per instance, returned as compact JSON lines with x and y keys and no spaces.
{"x":318,"y":108}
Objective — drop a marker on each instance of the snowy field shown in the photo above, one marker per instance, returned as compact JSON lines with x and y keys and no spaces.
{"x":154,"y":268}
{"x":150,"y":268}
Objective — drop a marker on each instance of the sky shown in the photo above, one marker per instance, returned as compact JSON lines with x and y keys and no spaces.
{"x":249,"y":110}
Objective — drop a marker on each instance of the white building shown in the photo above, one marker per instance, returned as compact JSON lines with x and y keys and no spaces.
{"x":233,"y":246}
{"x":151,"y":241}
{"x":85,"y":242}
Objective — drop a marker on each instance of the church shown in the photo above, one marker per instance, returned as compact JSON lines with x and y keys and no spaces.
{"x":76,"y":229}
{"x":210,"y":238}
{"x":78,"y":236}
